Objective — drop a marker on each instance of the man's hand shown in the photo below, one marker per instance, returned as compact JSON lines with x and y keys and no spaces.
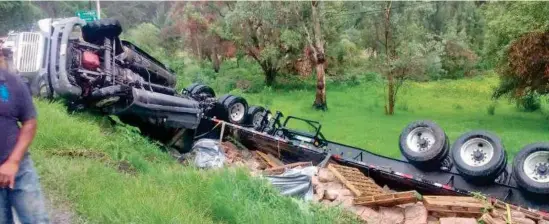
{"x":8,"y":170}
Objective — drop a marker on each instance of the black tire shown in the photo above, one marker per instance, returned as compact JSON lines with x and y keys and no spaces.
{"x":44,"y":90}
{"x":241,"y":113}
{"x":95,"y":31}
{"x":189,"y":88}
{"x":432,"y":156}
{"x":253,"y":112}
{"x":518,"y":169}
{"x":203,"y":89}
{"x":487,"y":172}
{"x":222,"y":99}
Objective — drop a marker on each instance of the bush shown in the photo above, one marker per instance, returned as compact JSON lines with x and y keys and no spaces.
{"x":529,"y":103}
{"x":492,"y":109}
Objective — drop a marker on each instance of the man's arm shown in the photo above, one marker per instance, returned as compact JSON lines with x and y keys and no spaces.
{"x":26,"y":114}
{"x":9,"y":168}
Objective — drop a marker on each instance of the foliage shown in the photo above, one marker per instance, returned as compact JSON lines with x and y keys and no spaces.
{"x":507,"y":21}
{"x":524,"y":69}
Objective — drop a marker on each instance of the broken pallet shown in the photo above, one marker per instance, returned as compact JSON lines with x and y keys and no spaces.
{"x":356,"y":181}
{"x":462,"y":205}
{"x":269,"y":159}
{"x":390,"y":199}
{"x":527,"y":213}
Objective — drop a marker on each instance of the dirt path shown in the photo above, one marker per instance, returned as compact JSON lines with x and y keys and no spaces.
{"x":59,"y":212}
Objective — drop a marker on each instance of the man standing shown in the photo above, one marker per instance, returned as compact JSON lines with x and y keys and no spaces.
{"x":19,"y":185}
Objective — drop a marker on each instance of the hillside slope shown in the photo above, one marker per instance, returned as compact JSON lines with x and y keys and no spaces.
{"x":110,"y":174}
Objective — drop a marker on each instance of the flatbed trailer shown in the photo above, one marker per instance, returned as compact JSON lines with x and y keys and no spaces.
{"x":398,"y":174}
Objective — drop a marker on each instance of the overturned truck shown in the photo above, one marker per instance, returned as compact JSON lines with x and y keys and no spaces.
{"x":91,"y":68}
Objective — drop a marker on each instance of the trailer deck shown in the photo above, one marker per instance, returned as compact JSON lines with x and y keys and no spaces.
{"x":397,"y":174}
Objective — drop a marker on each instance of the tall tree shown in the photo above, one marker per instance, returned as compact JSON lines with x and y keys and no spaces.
{"x":266,"y":32}
{"x":316,"y":44}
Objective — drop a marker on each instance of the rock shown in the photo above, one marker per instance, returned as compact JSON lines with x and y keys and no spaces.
{"x":318,"y":193}
{"x":317,"y":197}
{"x":487,"y":219}
{"x":523,"y":221}
{"x":432,"y":220}
{"x":415,"y":214}
{"x":502,"y":214}
{"x":325,"y":176}
{"x":456,"y":220}
{"x":370,"y":216}
{"x":392,"y":214}
{"x":330,"y":194}
{"x":314,"y":181}
{"x":346,"y":201}
{"x":344,"y":192}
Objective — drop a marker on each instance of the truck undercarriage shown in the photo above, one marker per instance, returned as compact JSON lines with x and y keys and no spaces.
{"x":94,"y":69}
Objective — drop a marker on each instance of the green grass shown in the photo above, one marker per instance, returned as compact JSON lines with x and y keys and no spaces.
{"x":78,"y":158}
{"x":356,"y":113}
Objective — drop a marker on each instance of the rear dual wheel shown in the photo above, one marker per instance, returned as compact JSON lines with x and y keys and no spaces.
{"x":424,"y":144}
{"x":479,"y":156}
{"x":235,"y":108}
{"x":531,"y":168}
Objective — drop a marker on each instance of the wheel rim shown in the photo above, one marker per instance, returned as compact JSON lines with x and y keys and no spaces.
{"x":257,"y":118}
{"x":237,"y":111}
{"x":420,"y":139}
{"x":536,"y":166}
{"x":477,"y":152}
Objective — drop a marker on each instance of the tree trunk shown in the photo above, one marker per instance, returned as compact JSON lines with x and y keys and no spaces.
{"x":270,"y":76}
{"x":320,"y":96}
{"x":215,"y":60}
{"x":390,"y":104}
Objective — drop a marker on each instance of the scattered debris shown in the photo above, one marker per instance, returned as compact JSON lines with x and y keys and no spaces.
{"x":269,"y":159}
{"x":450,"y":205}
{"x":355,"y":180}
{"x":415,"y":214}
{"x":390,"y":199}
{"x":208,"y":154}
{"x":295,"y":182}
{"x":487,"y":219}
{"x":349,"y":188}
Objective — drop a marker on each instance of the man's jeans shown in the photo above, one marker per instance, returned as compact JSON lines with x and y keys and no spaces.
{"x":26,"y":197}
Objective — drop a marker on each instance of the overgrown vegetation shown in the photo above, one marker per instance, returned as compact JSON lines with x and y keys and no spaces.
{"x":111,"y":174}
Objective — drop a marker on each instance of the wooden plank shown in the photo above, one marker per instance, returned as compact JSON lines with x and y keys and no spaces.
{"x":453,"y":204}
{"x":343,"y":180}
{"x":468,"y":202}
{"x":390,"y":199}
{"x":267,"y":159}
{"x":279,"y":169}
{"x":275,"y":160}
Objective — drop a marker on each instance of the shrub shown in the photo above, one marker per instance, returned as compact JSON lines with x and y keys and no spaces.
{"x":530,"y":102}
{"x":492,"y":109}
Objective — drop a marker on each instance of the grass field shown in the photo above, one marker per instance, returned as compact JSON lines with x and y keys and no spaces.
{"x":113,"y":175}
{"x":356,"y":114}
